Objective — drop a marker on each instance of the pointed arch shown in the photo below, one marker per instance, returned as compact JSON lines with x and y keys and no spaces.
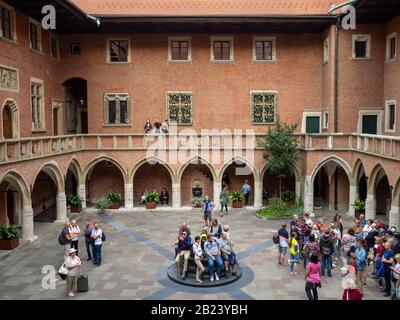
{"x":396,"y":193}
{"x":18,"y":180}
{"x":78,"y":169}
{"x":358,"y":165}
{"x":199,"y":160}
{"x":238,"y":159}
{"x":377,"y":173}
{"x":14,"y":112}
{"x":345,"y":166}
{"x":97,"y":160}
{"x":151,"y":160}
{"x":53,"y":170}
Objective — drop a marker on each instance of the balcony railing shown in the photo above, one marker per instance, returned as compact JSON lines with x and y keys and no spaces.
{"x":15,"y":150}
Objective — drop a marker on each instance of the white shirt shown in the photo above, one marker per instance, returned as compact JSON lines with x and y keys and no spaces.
{"x":69,"y":262}
{"x":366,"y":229}
{"x":309,"y":221}
{"x":197,"y":251}
{"x":72,"y":230}
{"x":97,"y":233}
{"x":395,"y":274}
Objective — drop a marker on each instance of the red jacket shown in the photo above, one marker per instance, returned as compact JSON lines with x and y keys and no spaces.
{"x":353,"y":294}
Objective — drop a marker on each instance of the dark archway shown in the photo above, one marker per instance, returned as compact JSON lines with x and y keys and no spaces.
{"x":383,"y":197}
{"x":196,"y":176}
{"x":44,"y":198}
{"x":76,"y":116}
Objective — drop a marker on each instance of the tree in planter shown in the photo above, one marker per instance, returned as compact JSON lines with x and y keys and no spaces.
{"x":281,"y":152}
{"x":102,"y":204}
{"x":152,"y":198}
{"x":237,"y":198}
{"x":75,"y":202}
{"x":359,"y":207}
{"x":9,"y":237}
{"x":115,"y":199}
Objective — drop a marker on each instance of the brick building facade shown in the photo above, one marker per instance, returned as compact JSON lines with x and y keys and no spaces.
{"x":74,"y":102}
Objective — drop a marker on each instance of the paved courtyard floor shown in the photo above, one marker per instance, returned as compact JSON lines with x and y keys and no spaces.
{"x":139,"y":249}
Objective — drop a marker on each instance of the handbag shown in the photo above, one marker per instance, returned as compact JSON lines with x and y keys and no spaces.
{"x":63,"y":271}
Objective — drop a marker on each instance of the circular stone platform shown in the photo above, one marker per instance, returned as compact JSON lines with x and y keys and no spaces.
{"x":190,"y":279}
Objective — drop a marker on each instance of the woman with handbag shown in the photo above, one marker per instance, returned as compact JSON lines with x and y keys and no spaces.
{"x":72,"y":264}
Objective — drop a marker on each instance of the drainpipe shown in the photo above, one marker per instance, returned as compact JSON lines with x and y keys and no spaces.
{"x":95,"y":19}
{"x":335,"y":77}
{"x":338,"y":6}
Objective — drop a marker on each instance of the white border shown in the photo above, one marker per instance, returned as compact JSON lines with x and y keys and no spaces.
{"x":13,"y":23}
{"x":42,"y":107}
{"x":325,"y":54}
{"x":361,"y":37}
{"x":310,"y":114}
{"x":221,"y":38}
{"x":179,"y":38}
{"x":372,"y":112}
{"x":387,"y":104}
{"x":39,"y":35}
{"x":264,"y":38}
{"x":388,"y":38}
{"x":108,"y":40}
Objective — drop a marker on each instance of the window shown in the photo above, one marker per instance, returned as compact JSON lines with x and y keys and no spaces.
{"x":326,"y":120}
{"x":37,"y":104}
{"x":117,"y":109}
{"x":75,"y":48}
{"x":391,"y":46}
{"x":370,"y":121}
{"x":221,"y":49}
{"x":263,"y":106}
{"x":311,"y":122}
{"x":180,"y":107}
{"x":390,"y":116}
{"x":361,"y":46}
{"x":7,"y":22}
{"x":35,"y":35}
{"x":264,"y":49}
{"x":326,"y":51}
{"x":179,"y":49}
{"x":54,"y":46}
{"x":118,"y":51}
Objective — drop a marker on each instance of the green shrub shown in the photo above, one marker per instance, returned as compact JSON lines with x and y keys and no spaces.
{"x":277,"y":208}
{"x":102,"y":204}
{"x":114,"y":197}
{"x":196,"y":201}
{"x":359,"y":205}
{"x":237,"y":196}
{"x":11,"y":232}
{"x":152,"y":197}
{"x":74,"y":200}
{"x":288,"y":195}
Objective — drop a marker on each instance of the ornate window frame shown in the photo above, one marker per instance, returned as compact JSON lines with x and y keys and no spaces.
{"x":108,"y":50}
{"x":14,"y":117}
{"x":42,"y":107}
{"x":39,"y":35}
{"x":4,"y":68}
{"x":117,"y":97}
{"x":168,"y":93}
{"x":270,"y":92}
{"x":387,"y":113}
{"x":264,"y":38}
{"x":179,"y":38}
{"x":221,"y":38}
{"x":13,"y":30}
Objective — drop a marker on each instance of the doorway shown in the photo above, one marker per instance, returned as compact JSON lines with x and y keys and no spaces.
{"x":76,"y":118}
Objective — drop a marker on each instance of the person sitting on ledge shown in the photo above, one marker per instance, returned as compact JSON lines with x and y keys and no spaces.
{"x":143,"y":197}
{"x":212,"y":248}
{"x":184,"y":228}
{"x":184,"y":246}
{"x":198,"y":257}
{"x":228,"y":255}
{"x":164,"y":196}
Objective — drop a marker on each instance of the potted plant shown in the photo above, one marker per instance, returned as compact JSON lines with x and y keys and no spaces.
{"x":75,"y":202}
{"x":9,"y":237}
{"x":196,"y":202}
{"x":289,"y":197}
{"x":359,"y":207}
{"x":237,"y":198}
{"x":115,"y":200}
{"x":102,"y":204}
{"x":152,"y":199}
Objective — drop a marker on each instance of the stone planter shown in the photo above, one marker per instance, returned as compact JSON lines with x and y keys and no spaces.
{"x":237,"y":204}
{"x":9,"y":244}
{"x":114,"y":205}
{"x":76,"y":209}
{"x":151,"y":205}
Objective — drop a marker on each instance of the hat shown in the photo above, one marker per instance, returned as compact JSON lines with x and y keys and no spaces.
{"x":72,"y":250}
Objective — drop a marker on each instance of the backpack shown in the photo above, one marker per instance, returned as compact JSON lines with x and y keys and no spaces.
{"x":326,"y":251}
{"x":103,"y":236}
{"x":61,"y":239}
{"x":275,"y":238}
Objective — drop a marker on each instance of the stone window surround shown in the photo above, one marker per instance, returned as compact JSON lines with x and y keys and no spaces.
{"x":55,"y":36}
{"x":15,"y":117}
{"x":264,"y":38}
{"x":42,"y":106}
{"x":58,"y":104}
{"x":326,"y":51}
{"x":13,"y":23}
{"x":388,"y":38}
{"x":370,"y":112}
{"x":167,"y":106}
{"x":221,"y":38}
{"x":180,"y":38}
{"x":116,"y":38}
{"x":325,"y":122}
{"x":251,"y":106}
{"x":17,"y":73}
{"x":310,"y":113}
{"x":362,"y":37}
{"x":129,"y":120}
{"x":39,"y":35}
{"x":387,"y":104}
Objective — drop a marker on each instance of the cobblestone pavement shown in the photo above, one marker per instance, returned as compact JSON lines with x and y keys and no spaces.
{"x":138,"y":250}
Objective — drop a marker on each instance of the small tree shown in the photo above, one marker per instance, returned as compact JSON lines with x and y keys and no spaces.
{"x":281,"y":151}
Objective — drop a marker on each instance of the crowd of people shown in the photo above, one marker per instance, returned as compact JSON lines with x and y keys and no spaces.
{"x":368,"y":246}
{"x":163,"y":195}
{"x":69,"y":239}
{"x":213,"y":246}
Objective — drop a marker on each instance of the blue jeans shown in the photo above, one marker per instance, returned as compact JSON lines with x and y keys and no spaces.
{"x":294,"y":259}
{"x":211,"y":269}
{"x":89,"y":248}
{"x":97,"y":254}
{"x":326,"y":263}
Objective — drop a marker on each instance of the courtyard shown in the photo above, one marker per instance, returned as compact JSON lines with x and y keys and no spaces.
{"x":139,"y":249}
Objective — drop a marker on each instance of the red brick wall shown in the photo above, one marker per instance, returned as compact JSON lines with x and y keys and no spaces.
{"x":189,"y":175}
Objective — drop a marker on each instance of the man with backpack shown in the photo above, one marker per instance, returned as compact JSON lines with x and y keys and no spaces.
{"x":98,"y":237}
{"x":327,"y":247}
{"x":206,"y":207}
{"x":65,"y":237}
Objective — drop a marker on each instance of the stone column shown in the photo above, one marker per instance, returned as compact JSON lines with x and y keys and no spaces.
{"x":82,"y":194}
{"x":61,"y":207}
{"x":394,"y":216}
{"x":298,"y":189}
{"x":257,"y":194}
{"x":370,"y":207}
{"x":352,"y":197}
{"x":27,"y":224}
{"x":308,"y":196}
{"x":128,"y":189}
{"x":176,"y":195}
{"x":217,"y":192}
